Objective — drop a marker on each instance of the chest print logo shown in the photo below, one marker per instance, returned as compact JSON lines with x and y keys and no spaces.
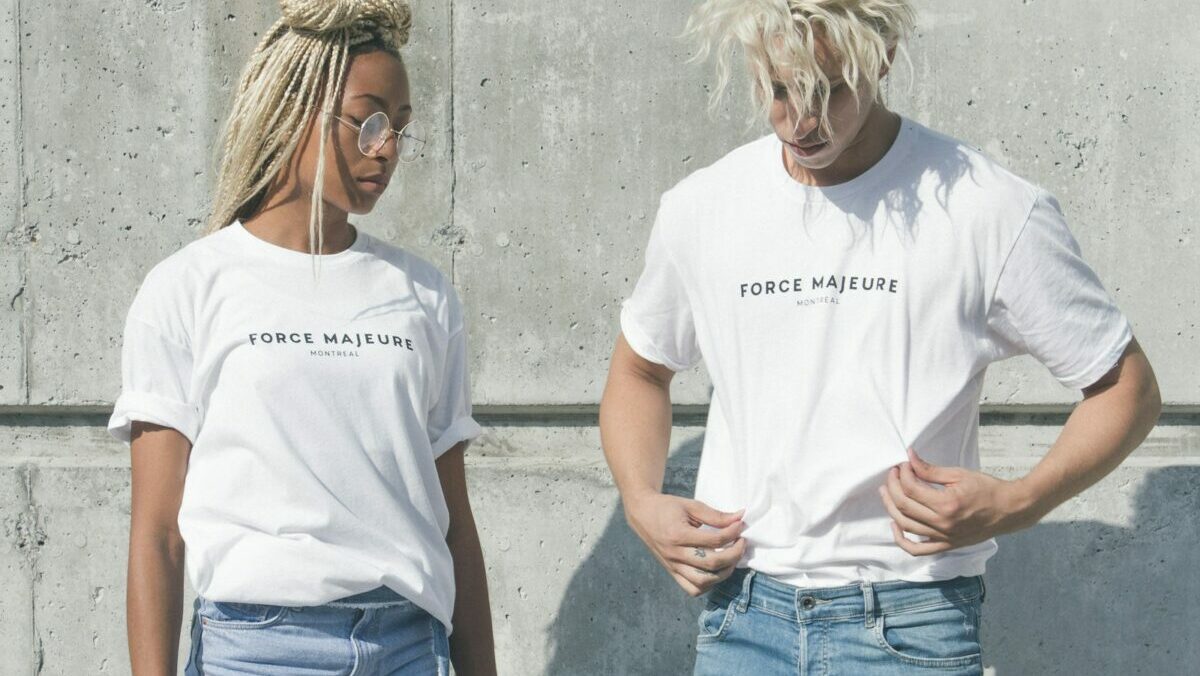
{"x":827,"y":284}
{"x":345,"y":344}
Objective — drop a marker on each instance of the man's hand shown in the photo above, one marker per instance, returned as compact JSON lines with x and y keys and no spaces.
{"x":671,"y":527}
{"x":968,"y":507}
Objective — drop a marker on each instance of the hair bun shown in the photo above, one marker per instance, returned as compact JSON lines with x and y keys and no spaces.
{"x":389,"y":19}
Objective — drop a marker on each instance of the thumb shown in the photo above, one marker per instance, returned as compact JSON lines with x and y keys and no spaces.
{"x":713,"y":517}
{"x":930,"y":472}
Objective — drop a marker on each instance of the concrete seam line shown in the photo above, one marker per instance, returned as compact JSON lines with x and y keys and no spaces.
{"x":586,"y":415}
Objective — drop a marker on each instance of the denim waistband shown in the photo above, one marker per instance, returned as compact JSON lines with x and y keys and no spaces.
{"x":861,"y":600}
{"x":379,"y":597}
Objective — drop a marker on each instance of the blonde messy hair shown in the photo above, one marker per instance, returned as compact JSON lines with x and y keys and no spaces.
{"x":779,"y":41}
{"x":297,"y":70}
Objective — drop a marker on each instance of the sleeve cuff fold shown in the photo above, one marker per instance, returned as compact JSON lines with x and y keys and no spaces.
{"x":1103,"y":364}
{"x":151,"y":408}
{"x":462,"y":429}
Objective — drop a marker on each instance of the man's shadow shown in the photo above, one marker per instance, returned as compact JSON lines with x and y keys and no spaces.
{"x":622,"y":613}
{"x":1079,"y":597}
{"x":1087,"y":597}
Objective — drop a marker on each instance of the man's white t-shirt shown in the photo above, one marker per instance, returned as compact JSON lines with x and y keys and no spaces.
{"x":842,"y":325}
{"x":315,"y":412}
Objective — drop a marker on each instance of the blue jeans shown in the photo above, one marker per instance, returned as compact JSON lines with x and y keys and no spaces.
{"x":755,"y":625}
{"x":376,"y":632}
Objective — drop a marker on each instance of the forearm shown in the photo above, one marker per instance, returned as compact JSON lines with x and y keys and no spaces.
{"x":1099,"y":434}
{"x":635,"y":431}
{"x":472,"y":647}
{"x":154,"y":603}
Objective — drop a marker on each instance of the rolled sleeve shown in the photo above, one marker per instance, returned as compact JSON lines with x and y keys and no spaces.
{"x":657,"y":319}
{"x":449,"y":420}
{"x":156,"y":381}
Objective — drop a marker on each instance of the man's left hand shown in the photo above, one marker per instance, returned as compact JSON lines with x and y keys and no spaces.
{"x":961,"y":508}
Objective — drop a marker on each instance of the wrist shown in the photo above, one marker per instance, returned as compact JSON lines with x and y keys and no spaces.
{"x":633,"y":499}
{"x":1023,"y":503}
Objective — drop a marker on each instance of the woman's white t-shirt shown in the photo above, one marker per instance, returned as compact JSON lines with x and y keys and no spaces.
{"x":315,"y":412}
{"x":842,"y":325}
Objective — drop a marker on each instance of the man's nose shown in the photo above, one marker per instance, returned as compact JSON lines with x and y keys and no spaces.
{"x":805,"y":126}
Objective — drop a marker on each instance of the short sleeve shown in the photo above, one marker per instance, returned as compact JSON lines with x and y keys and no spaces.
{"x":450,"y":420}
{"x":156,"y":376}
{"x":1050,"y":304}
{"x":657,"y":319}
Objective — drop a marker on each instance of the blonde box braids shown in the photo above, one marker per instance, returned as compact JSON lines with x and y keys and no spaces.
{"x":296,"y":71}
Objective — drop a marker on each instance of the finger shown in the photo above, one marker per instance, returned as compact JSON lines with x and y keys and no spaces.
{"x":711,"y":560}
{"x":907,"y":523}
{"x":919,"y":491}
{"x":918,"y":548}
{"x":709,"y":516}
{"x":686,"y":584}
{"x":932,"y":473}
{"x":702,"y":580}
{"x":906,"y":503}
{"x":711,"y":539}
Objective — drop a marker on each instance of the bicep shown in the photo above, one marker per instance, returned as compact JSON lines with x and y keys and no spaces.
{"x":158,"y":463}
{"x":452,"y":474}
{"x":1132,"y":369}
{"x":627,"y":362}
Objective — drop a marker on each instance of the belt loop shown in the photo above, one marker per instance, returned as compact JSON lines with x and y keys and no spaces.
{"x":868,"y":603}
{"x":982,"y":590}
{"x":743,"y":600}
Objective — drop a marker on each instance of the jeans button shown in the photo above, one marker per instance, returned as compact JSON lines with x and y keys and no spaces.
{"x":808,"y":603}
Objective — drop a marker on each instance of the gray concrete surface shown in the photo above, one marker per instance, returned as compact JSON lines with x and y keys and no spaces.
{"x":555,"y":128}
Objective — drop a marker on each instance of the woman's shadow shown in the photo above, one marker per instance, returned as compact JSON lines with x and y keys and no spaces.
{"x":1077,"y":597}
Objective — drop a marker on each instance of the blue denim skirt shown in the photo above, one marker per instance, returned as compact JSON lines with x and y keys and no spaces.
{"x":376,"y":632}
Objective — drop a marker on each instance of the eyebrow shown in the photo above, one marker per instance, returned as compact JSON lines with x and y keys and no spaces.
{"x":406,"y":108}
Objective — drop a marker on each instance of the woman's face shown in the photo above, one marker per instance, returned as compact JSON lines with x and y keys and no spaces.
{"x":376,"y":81}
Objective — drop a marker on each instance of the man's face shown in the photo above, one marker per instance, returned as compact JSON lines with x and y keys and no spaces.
{"x":806,"y":142}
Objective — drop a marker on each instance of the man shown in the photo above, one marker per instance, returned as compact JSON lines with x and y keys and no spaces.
{"x":848,"y":279}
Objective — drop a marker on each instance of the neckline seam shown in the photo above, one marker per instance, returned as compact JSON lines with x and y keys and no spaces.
{"x":358,"y":249}
{"x":899,"y":149}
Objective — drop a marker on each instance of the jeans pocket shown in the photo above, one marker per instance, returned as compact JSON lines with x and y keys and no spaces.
{"x":230,"y":615}
{"x":941,"y":636}
{"x":714,"y":620}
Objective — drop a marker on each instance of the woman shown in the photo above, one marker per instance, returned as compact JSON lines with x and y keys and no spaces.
{"x":295,"y":391}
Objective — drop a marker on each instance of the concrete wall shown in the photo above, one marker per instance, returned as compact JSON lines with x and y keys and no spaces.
{"x":557,"y":125}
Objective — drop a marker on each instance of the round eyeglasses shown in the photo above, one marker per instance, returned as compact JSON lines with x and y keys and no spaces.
{"x":374,"y":132}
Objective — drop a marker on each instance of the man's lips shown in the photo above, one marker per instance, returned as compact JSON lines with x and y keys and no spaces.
{"x":809,"y":148}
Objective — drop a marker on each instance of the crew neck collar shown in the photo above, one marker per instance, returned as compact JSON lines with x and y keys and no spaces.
{"x":357,"y":250}
{"x":812,"y":193}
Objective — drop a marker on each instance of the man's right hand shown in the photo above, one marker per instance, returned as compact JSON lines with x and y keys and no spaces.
{"x":696,"y":557}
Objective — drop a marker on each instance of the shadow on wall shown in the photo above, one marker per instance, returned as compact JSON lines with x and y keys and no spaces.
{"x":622,"y":613}
{"x":1080,"y":597}
{"x":1086,"y":597}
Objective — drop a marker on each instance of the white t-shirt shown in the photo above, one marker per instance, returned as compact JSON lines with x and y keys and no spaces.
{"x":841,"y":325}
{"x":315,"y":412}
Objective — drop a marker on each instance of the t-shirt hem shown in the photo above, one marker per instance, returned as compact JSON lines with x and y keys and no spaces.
{"x":151,"y":408}
{"x":462,"y":429}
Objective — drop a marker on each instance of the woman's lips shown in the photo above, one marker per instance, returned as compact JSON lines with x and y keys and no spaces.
{"x":373,"y":185}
